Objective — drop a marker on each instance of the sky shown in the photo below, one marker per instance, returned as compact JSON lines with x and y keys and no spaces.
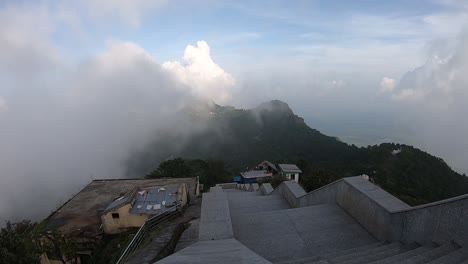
{"x":83,"y":83}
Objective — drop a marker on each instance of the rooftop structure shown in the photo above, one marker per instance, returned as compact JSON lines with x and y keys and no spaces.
{"x":268,"y":166}
{"x":81,"y":214}
{"x":137,"y":206}
{"x":255,"y":174}
{"x":290,"y":171}
{"x":152,"y":202}
{"x":289,"y":168}
{"x":252,"y":175}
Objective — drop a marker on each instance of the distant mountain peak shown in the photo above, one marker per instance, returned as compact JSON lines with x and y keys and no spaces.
{"x":276,"y":106}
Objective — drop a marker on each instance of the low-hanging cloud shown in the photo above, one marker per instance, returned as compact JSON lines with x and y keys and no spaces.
{"x":433,"y":99}
{"x":387,"y":84}
{"x":64,"y":124}
{"x":65,"y":119}
{"x":3,"y":105}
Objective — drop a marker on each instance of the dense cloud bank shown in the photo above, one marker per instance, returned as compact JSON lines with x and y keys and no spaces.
{"x":67,"y":117}
{"x":433,"y":98}
{"x":64,"y":124}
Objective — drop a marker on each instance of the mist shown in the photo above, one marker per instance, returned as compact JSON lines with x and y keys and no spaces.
{"x":64,"y":124}
{"x":424,"y":105}
{"x":81,"y":92}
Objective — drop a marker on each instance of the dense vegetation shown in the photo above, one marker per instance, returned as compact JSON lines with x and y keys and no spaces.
{"x":25,"y":241}
{"x":227,"y":141}
{"x":242,"y":138}
{"x":16,"y":244}
{"x":210,"y":171}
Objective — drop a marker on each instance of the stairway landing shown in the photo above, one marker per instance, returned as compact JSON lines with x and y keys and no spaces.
{"x":297,"y":233}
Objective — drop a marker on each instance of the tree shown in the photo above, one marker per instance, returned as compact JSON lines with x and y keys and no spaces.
{"x":174,"y":168}
{"x":16,"y":244}
{"x":210,"y":172}
{"x":56,"y":244}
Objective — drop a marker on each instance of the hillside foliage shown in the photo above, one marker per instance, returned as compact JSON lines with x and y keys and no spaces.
{"x":238,"y":138}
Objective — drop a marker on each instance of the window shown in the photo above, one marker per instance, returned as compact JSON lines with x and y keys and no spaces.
{"x":115,"y":215}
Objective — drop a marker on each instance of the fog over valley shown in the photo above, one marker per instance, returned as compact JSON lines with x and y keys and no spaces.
{"x":85,"y":86}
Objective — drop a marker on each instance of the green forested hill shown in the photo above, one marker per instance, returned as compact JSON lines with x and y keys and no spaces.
{"x":271,"y":131}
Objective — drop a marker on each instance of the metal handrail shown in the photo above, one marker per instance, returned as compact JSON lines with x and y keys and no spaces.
{"x":148,"y":225}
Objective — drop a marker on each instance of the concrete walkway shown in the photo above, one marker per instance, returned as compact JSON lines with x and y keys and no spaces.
{"x":287,"y":234}
{"x":215,"y":252}
{"x":242,"y":202}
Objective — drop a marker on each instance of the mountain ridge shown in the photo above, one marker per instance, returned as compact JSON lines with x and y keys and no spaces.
{"x":272,"y":131}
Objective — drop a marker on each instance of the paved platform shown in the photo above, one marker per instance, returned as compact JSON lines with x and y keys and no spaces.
{"x":251,"y":202}
{"x":299,"y":233}
{"x":227,"y":251}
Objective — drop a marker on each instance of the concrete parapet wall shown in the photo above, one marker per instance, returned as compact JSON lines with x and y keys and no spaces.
{"x":291,"y":191}
{"x":385,"y":216}
{"x":369,"y":205}
{"x":440,"y":222}
{"x":323,"y":195}
{"x":228,"y":185}
{"x":215,"y":220}
{"x":266,"y":188}
{"x":253,"y":187}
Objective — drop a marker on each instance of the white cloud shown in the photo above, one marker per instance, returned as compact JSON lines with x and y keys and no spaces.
{"x":3,"y":105}
{"x":72,"y":123}
{"x":432,"y":101}
{"x":121,"y":56}
{"x":387,"y":84}
{"x":408,"y":95}
{"x":206,"y":78}
{"x":61,"y":132}
{"x":440,"y":79}
{"x":24,"y":37}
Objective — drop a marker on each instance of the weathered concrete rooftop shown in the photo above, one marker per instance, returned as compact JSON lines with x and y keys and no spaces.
{"x":82,"y":212}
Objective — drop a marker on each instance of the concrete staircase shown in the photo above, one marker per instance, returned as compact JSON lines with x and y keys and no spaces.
{"x":242,"y":202}
{"x":389,"y":253}
{"x":271,"y":228}
{"x":321,"y":234}
{"x":339,"y":223}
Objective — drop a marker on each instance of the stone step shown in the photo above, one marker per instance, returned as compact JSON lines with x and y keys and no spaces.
{"x":382,"y":255}
{"x":454,"y":257}
{"x":357,"y":249}
{"x":359,"y":254}
{"x":431,"y":254}
{"x":244,"y":203}
{"x":299,"y":233}
{"x":301,"y":261}
{"x":254,"y":197}
{"x":403,"y":256}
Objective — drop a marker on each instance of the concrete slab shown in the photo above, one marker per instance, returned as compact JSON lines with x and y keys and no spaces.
{"x":250,"y":202}
{"x":228,"y":251}
{"x":215,"y":221}
{"x":299,"y":232}
{"x":266,"y":188}
{"x":278,"y":248}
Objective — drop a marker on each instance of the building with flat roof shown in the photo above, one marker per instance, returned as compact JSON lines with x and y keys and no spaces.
{"x":135,"y":207}
{"x":253,"y":175}
{"x":268,"y":166}
{"x":81,"y":215}
{"x":290,"y":171}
